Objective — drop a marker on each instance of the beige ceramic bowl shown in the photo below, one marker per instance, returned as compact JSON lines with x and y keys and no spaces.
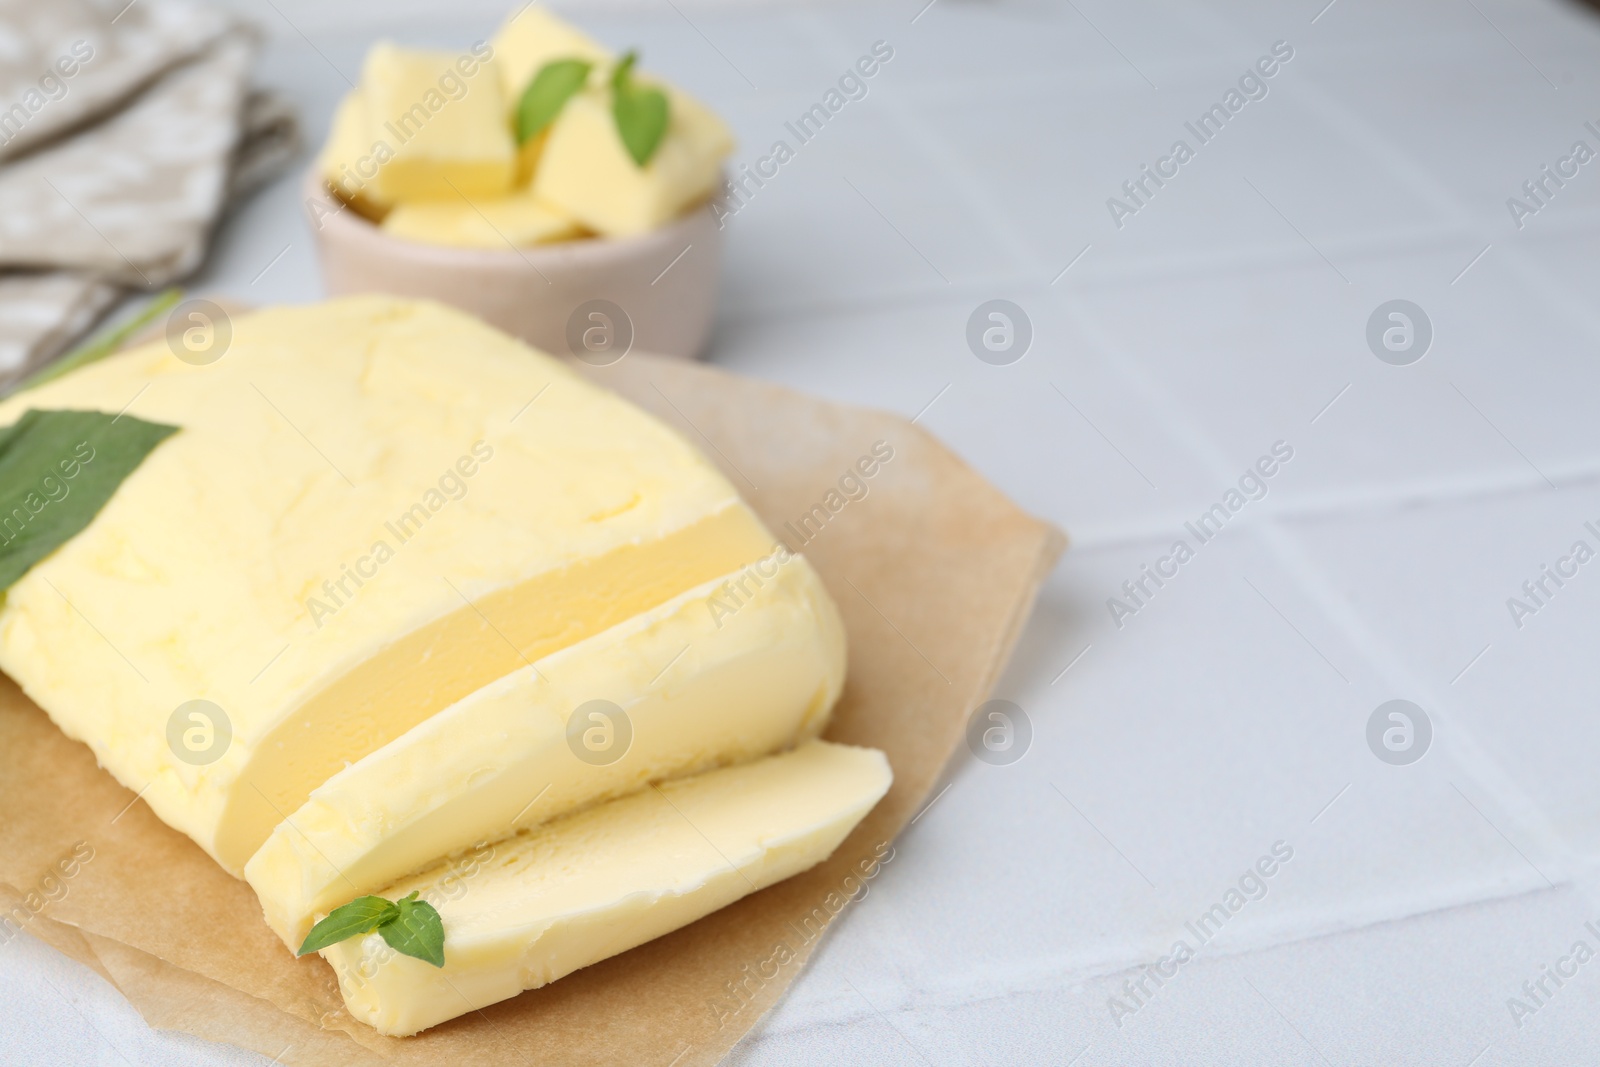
{"x":594,"y":298}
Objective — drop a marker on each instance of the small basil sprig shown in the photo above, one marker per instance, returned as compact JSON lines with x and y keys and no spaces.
{"x":547,"y":94}
{"x":409,"y":926}
{"x":640,"y":111}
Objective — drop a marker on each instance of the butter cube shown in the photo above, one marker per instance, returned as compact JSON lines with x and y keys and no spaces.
{"x":697,"y":685}
{"x":585,"y":170}
{"x":600,"y":882}
{"x":529,"y":40}
{"x":579,"y":163}
{"x":373,"y":508}
{"x":348,"y":162}
{"x":447,"y":132}
{"x":534,"y":37}
{"x":514,"y":221}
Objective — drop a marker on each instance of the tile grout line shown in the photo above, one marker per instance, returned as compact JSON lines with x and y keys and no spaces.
{"x":1472,"y":757}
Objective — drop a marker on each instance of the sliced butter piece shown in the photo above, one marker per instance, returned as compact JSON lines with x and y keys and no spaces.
{"x":447,"y":142}
{"x":700,"y":685}
{"x":585,"y":170}
{"x":515,"y":221}
{"x":522,"y":510}
{"x":591,"y":885}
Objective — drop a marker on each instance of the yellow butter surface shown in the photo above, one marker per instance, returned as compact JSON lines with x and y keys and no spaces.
{"x":514,"y":221}
{"x":597,"y":883}
{"x":691,"y":684}
{"x":580,"y":165}
{"x":374,"y":507}
{"x":446,"y":135}
{"x":585,"y":170}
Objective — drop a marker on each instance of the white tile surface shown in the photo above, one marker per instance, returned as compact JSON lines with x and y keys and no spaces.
{"x":1230,"y":711}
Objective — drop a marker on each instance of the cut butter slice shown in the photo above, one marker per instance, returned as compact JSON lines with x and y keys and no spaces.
{"x":597,"y":883}
{"x":506,"y":222}
{"x":698,"y":683}
{"x":373,"y":508}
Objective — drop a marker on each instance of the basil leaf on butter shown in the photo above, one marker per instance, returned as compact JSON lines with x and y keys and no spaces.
{"x":547,"y":94}
{"x":409,"y":926}
{"x":57,"y":470}
{"x":416,"y":931}
{"x":360,"y":916}
{"x":640,"y":112}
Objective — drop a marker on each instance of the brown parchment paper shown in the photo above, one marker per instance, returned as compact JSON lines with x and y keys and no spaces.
{"x":934,"y":571}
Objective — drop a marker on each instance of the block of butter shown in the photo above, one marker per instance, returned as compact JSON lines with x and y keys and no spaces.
{"x":688,"y":685}
{"x":446,"y":137}
{"x":373,"y":508}
{"x":591,"y":885}
{"x":514,"y":221}
{"x":582,"y":166}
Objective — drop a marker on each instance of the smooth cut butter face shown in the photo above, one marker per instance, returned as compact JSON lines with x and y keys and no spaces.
{"x":523,"y":510}
{"x":597,"y":883}
{"x":701,"y":685}
{"x":435,"y":665}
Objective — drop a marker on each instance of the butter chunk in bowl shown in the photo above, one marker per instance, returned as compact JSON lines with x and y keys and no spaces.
{"x":472,"y":182}
{"x":522,"y":219}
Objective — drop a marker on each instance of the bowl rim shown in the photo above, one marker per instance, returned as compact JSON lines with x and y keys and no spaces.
{"x":339,"y":220}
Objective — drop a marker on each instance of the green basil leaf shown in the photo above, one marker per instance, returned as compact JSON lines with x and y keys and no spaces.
{"x":547,"y":94}
{"x":640,"y":112}
{"x":641,"y":116}
{"x":57,"y":470}
{"x":415,"y":931}
{"x":360,"y":916}
{"x":622,"y":73}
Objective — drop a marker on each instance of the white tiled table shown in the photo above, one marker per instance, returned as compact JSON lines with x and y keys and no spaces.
{"x":1230,"y":712}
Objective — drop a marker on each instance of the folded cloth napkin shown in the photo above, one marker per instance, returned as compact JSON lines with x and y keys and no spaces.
{"x":124,"y":131}
{"x":43,"y":313}
{"x":268,"y":141}
{"x":66,"y":62}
